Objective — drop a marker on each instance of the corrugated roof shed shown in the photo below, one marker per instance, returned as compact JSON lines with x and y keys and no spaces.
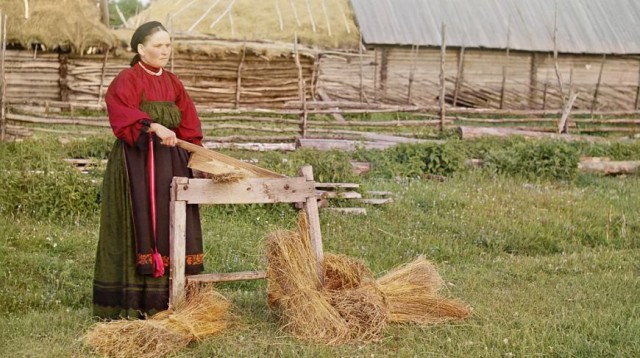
{"x":584,"y":26}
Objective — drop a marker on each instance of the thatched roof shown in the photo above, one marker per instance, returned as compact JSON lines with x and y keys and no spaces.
{"x":251,"y":20}
{"x":64,"y":24}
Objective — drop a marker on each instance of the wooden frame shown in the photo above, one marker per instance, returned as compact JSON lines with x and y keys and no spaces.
{"x":185,"y":191}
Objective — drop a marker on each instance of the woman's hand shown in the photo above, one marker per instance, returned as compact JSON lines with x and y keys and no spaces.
{"x":166,"y":135}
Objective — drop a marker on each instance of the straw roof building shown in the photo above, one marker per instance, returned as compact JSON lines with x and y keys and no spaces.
{"x":63,"y":25}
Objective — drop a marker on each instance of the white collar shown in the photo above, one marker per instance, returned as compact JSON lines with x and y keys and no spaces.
{"x":149,"y":71}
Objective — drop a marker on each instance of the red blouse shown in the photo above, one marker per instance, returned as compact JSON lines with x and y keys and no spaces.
{"x":124,"y":96}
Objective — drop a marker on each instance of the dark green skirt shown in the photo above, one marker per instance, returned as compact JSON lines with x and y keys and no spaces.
{"x":122,"y":287}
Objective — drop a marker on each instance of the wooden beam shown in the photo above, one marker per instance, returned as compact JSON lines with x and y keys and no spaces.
{"x":313,"y":217}
{"x":248,"y":191}
{"x":177,"y":243}
{"x":227,"y":277}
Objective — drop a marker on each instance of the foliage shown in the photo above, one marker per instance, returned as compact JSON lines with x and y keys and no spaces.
{"x":129,"y":9}
{"x":415,"y":160}
{"x":545,"y":159}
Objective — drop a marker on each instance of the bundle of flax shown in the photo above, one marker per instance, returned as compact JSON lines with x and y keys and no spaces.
{"x":203,"y":313}
{"x":412,"y":296}
{"x":350,"y":305}
{"x":222,"y":168}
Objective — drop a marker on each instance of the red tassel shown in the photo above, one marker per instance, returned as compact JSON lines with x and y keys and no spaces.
{"x":158,"y":265}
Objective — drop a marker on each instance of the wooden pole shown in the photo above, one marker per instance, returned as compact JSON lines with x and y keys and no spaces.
{"x":411,"y":69}
{"x":594,"y":102}
{"x":459,"y":76}
{"x":301,"y":89}
{"x":555,"y":54}
{"x":637,"y":105}
{"x":562,"y":124}
{"x":360,"y":54}
{"x":3,"y":78}
{"x":310,"y":14}
{"x":533,"y":80}
{"x":504,"y":68}
{"x":443,"y":51}
{"x":279,"y":16}
{"x":295,"y":13}
{"x":104,"y":70}
{"x":546,"y":85}
{"x":239,"y":75}
{"x":326,"y":17}
{"x":311,"y":209}
{"x":375,"y":75}
{"x":384,"y":71}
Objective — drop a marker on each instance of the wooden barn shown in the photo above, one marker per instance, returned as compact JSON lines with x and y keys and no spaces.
{"x":512,"y":54}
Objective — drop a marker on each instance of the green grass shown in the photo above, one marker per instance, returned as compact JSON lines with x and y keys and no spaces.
{"x":551,"y":268}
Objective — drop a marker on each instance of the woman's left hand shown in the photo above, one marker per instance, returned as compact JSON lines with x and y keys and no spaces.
{"x":166,"y":135}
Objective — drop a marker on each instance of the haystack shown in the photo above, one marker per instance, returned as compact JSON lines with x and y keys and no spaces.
{"x":70,"y":24}
{"x":203,"y":313}
{"x":350,"y":305}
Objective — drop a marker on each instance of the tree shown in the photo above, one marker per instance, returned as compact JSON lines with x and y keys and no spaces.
{"x":128,"y":8}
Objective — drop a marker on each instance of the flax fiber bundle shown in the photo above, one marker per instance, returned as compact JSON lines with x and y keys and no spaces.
{"x":203,"y":313}
{"x":350,"y":305}
{"x":308,"y":310}
{"x":411,"y":291}
{"x":222,"y":168}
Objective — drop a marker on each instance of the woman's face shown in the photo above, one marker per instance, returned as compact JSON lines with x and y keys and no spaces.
{"x":155,"y":51}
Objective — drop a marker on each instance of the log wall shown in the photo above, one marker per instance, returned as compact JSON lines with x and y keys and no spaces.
{"x":400,"y":75}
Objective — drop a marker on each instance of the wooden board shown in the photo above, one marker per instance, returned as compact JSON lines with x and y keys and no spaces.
{"x":248,"y":191}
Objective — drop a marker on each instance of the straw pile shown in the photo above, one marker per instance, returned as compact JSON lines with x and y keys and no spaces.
{"x":350,"y":305}
{"x":203,"y":313}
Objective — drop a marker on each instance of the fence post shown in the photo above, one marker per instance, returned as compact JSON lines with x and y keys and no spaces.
{"x":594,"y":102}
{"x":104,"y":69}
{"x":301,"y":89}
{"x":443,"y":50}
{"x":459,"y":76}
{"x":239,"y":75}
{"x":3,"y":78}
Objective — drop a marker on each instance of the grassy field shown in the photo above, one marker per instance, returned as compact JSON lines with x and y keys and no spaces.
{"x":551,"y":267}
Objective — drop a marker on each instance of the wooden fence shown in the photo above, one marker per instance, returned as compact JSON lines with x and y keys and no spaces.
{"x":325,"y":125}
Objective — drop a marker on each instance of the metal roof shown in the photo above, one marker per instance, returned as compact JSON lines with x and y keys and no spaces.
{"x":584,"y":26}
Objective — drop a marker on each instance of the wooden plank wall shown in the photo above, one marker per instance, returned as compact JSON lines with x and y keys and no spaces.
{"x":530,"y":80}
{"x":32,"y":78}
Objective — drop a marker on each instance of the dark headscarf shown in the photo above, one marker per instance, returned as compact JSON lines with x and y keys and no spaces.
{"x":140,"y":35}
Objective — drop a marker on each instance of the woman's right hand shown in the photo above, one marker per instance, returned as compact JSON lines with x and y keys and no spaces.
{"x":166,"y":135}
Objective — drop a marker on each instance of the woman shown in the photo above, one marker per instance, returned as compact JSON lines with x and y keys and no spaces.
{"x":148,"y":110}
